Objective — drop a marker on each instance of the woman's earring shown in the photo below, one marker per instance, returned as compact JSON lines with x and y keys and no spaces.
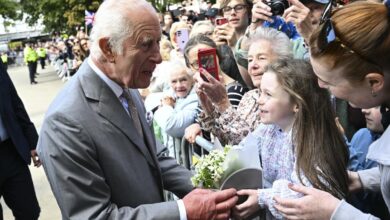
{"x":373,"y":93}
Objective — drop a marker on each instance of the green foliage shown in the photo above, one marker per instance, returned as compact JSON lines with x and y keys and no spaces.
{"x":209,"y":169}
{"x":8,"y":9}
{"x":161,"y":5}
{"x":60,"y":15}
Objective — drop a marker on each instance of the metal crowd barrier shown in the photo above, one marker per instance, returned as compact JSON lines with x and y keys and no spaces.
{"x":188,"y":153}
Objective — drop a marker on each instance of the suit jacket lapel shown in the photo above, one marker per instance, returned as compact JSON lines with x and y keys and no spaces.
{"x":111,"y":109}
{"x":145,"y":126}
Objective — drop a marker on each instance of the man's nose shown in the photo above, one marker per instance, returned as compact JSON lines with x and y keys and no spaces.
{"x":156,"y":58}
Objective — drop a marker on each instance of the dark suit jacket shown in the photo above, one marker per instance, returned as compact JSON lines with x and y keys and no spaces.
{"x":15,"y":118}
{"x":97,"y":164}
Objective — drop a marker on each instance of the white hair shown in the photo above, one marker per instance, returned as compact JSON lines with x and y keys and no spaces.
{"x":199,"y":24}
{"x":112,"y":21}
{"x":280,"y":43}
{"x":176,"y":65}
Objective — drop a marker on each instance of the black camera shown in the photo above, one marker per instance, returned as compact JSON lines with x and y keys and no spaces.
{"x":278,"y":6}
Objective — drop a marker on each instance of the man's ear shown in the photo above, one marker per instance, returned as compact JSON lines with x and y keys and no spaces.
{"x":375,"y":81}
{"x":106,"y":49}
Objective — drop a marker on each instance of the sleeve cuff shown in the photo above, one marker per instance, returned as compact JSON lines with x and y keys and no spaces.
{"x":370,"y":179}
{"x":182,"y":210}
{"x":347,"y":211}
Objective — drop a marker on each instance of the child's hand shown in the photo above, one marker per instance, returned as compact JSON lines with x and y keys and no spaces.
{"x":250,"y":206}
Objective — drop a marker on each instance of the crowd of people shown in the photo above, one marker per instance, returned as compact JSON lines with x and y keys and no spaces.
{"x":110,"y":141}
{"x":64,"y":53}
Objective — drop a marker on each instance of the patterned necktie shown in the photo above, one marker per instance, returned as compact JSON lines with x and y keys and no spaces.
{"x":133,"y":111}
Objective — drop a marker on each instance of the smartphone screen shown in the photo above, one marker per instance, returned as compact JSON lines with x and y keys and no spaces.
{"x":182,"y":38}
{"x":221,"y":21}
{"x":207,"y":59}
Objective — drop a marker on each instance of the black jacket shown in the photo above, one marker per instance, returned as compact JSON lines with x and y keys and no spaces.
{"x":16,"y":121}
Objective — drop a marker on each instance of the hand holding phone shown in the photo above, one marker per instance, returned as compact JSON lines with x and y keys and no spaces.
{"x":225,"y":34}
{"x":220,"y":21}
{"x":207,"y":59}
{"x":182,"y":36}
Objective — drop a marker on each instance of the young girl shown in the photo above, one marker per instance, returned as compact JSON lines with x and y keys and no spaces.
{"x":298,"y":139}
{"x":353,"y":64}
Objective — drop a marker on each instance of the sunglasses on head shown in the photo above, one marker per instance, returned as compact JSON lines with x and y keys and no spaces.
{"x":328,"y":34}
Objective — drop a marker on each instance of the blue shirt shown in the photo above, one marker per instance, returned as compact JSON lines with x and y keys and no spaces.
{"x":281,"y":25}
{"x":358,"y":148}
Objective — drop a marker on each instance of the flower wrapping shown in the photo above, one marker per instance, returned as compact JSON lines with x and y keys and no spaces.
{"x":212,"y":170}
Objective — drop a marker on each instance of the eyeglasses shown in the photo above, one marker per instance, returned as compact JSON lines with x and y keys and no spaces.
{"x":237,"y":8}
{"x":195,"y":65}
{"x":328,"y":34}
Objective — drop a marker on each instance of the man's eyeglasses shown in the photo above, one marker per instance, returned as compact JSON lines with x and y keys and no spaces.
{"x":237,"y":8}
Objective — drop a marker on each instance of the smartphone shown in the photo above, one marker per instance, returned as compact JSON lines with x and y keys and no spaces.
{"x":182,"y":36}
{"x":207,"y":59}
{"x":221,"y":21}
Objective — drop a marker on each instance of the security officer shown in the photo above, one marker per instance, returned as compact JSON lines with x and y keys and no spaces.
{"x":31,"y":58}
{"x":4,"y":58}
{"x":18,"y":140}
{"x":42,"y":56}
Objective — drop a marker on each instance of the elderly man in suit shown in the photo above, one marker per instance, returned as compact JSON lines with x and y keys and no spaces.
{"x":97,"y":149}
{"x":18,"y":139}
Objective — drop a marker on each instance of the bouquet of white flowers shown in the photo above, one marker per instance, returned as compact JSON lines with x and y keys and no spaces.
{"x":227,"y":166}
{"x":209,"y":169}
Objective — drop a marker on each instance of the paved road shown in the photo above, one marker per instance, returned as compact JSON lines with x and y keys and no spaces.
{"x":37,"y":99}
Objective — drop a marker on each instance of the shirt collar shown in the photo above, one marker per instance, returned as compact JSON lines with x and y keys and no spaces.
{"x":117,"y":89}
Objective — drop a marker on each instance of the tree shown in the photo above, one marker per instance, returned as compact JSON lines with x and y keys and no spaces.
{"x":9,"y":11}
{"x":64,"y":15}
{"x":161,"y":5}
{"x":60,"y":15}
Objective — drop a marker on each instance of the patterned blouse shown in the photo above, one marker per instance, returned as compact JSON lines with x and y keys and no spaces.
{"x":233,"y":125}
{"x":277,"y":158}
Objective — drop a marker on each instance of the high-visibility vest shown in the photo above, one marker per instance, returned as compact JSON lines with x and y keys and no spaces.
{"x":4,"y":58}
{"x":30,"y":55}
{"x":41,"y":52}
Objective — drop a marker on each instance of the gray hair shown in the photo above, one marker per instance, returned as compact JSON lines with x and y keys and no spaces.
{"x":199,"y":24}
{"x":177,"y":65}
{"x":281,"y":44}
{"x":112,"y":21}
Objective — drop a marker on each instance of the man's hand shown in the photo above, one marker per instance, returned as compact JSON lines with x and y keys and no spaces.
{"x":213,"y":89}
{"x":300,"y":16}
{"x":35,"y":158}
{"x":315,"y":204}
{"x":191,"y":132}
{"x":204,"y":204}
{"x":247,"y":208}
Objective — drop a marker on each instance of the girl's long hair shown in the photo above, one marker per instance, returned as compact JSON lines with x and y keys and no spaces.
{"x":320,"y":149}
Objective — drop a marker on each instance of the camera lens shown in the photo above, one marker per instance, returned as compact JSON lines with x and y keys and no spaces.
{"x":278,"y":6}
